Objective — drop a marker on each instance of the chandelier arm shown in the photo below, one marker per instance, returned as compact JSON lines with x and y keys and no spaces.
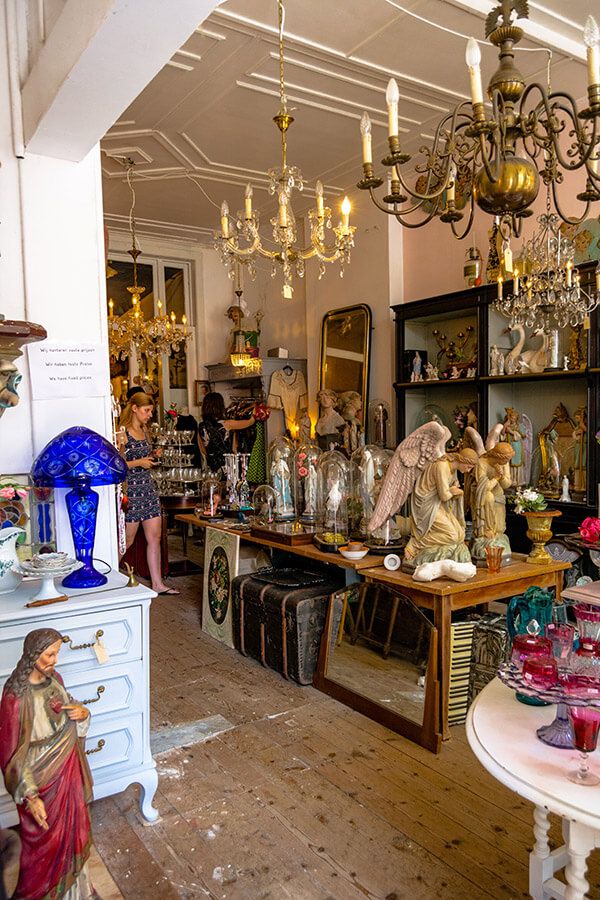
{"x":568,"y":219}
{"x":551,"y":104}
{"x":394,"y":212}
{"x":487,"y":162}
{"x":462,"y":236}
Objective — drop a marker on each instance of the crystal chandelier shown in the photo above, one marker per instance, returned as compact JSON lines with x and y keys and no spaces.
{"x":495,"y":161}
{"x":132,"y":332}
{"x":243,"y":241}
{"x":546,"y":289}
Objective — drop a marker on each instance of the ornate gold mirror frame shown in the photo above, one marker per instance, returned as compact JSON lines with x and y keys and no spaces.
{"x":345,"y":351}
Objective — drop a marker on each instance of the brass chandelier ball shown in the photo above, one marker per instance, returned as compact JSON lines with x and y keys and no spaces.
{"x":514,"y":190}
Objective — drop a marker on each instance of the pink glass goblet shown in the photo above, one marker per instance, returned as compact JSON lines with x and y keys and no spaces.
{"x":562,"y":641}
{"x":586,"y":725}
{"x":540,"y":671}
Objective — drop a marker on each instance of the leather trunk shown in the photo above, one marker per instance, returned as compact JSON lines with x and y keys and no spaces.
{"x":282,"y":626}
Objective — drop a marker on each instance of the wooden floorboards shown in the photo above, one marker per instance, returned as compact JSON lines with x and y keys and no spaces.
{"x":303,"y":798}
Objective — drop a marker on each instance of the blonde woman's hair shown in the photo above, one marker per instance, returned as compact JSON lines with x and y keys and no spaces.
{"x":138,"y":399}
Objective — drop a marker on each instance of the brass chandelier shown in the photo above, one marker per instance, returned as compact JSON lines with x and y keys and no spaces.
{"x":239,"y":238}
{"x":132,"y":332}
{"x":495,"y":161}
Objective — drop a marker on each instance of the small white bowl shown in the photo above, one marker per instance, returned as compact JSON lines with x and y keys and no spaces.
{"x":353,"y":554}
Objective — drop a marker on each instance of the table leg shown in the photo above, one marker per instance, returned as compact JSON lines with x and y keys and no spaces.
{"x":184,"y":537}
{"x":442,"y":621}
{"x":539,"y":858}
{"x":580,"y":843}
{"x":390,"y":631}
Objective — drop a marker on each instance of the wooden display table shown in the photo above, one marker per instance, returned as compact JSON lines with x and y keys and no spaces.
{"x":443,"y":596}
{"x":307,"y":551}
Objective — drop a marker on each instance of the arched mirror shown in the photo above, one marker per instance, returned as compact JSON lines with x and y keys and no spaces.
{"x":345,"y":348}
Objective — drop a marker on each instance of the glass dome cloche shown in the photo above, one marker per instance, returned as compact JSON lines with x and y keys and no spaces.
{"x":306,"y":459}
{"x":368,"y":467}
{"x":280,"y":466}
{"x":211,"y":494}
{"x":333,"y":485}
{"x":264,"y":502}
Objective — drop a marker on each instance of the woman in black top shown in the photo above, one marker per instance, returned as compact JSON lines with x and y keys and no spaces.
{"x":214,"y":430}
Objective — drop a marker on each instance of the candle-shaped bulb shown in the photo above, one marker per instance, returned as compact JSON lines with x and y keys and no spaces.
{"x":591,"y":39}
{"x":365,"y":131}
{"x":591,"y":32}
{"x":392,"y":95}
{"x":319,"y":194}
{"x":451,"y":189}
{"x":516,"y":282}
{"x":225,"y":219}
{"x":346,"y":207}
{"x":173,"y":318}
{"x":569,"y":273}
{"x":248,"y":201}
{"x":598,"y":277}
{"x":111,"y":307}
{"x":473,"y":59}
{"x":500,"y":279}
{"x":283,"y":209}
{"x":184,"y":320}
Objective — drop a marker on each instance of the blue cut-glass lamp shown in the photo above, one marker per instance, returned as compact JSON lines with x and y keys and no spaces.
{"x":80,"y":458}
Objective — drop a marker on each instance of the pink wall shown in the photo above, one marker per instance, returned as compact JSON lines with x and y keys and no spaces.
{"x":433,"y":257}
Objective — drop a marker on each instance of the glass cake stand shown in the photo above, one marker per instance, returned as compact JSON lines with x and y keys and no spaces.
{"x":48,"y":592}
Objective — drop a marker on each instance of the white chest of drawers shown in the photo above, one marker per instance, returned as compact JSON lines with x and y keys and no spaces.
{"x":117,"y":692}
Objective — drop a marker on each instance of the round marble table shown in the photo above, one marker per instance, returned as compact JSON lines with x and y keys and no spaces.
{"x":501,"y":733}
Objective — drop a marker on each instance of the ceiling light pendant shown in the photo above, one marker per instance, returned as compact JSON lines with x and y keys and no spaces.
{"x":239,"y":238}
{"x":494,"y":158}
{"x":132,"y":332}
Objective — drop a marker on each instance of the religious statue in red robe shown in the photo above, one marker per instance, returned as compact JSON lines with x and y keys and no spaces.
{"x":42,"y":756}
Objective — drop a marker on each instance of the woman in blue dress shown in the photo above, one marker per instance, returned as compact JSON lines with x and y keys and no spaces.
{"x":144,"y":505}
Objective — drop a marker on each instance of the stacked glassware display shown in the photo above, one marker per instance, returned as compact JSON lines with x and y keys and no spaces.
{"x":175,"y":475}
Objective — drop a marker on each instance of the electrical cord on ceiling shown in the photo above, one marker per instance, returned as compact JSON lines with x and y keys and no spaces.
{"x":415,"y":15}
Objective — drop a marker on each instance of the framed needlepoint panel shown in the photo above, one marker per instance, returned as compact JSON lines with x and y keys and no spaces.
{"x":221,"y":560}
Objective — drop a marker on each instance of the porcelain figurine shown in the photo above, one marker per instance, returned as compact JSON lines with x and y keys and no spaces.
{"x":580,"y":449}
{"x":454,"y":372}
{"x":329,"y":422}
{"x":431,"y":372}
{"x":417,"y":366}
{"x":423,"y":471}
{"x":494,"y":359}
{"x":566,"y":362}
{"x":10,"y":575}
{"x":42,"y":756}
{"x":445,"y":568}
{"x":565,"y":497}
{"x":517,"y":431}
{"x":487,"y":499}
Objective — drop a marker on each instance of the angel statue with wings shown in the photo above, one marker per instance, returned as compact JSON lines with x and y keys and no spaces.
{"x":423,"y":471}
{"x":484,"y":491}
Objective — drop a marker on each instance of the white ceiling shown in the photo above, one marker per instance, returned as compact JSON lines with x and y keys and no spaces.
{"x":208,"y":113}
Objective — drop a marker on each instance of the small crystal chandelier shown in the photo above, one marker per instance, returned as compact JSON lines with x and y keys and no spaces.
{"x":494,"y":161}
{"x":546,"y":290}
{"x":132,"y":332}
{"x":244,"y":243}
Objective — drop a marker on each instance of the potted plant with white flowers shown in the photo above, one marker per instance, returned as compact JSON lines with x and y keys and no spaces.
{"x":533,"y":505}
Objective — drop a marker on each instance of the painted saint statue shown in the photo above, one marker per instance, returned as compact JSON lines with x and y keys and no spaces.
{"x":42,"y":756}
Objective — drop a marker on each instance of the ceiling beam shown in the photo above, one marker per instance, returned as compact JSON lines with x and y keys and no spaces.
{"x":96,"y":60}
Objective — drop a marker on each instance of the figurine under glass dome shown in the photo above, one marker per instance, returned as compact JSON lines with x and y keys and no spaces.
{"x":280,"y":464}
{"x":305,"y":482}
{"x":211,"y":493}
{"x":264,"y":501}
{"x":333,"y":485}
{"x":368,"y":469}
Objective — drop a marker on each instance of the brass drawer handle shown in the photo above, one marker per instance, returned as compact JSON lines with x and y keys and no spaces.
{"x":97,"y":748}
{"x":99,"y":690}
{"x":67,"y":640}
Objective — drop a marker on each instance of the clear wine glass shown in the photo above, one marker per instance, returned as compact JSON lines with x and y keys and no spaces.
{"x":586,"y":725}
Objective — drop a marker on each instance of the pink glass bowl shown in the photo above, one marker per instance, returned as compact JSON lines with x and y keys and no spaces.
{"x":526,"y":645}
{"x":540,"y":671}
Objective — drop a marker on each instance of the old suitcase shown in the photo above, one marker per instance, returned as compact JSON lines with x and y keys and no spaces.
{"x":491,"y":647}
{"x":281,"y":626}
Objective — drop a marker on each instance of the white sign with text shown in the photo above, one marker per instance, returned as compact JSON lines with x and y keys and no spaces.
{"x":62,"y":370}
